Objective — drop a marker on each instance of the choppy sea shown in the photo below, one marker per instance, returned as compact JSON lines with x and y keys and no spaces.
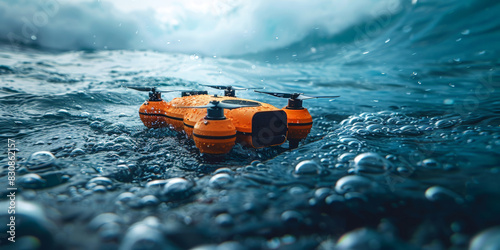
{"x":407,"y":158}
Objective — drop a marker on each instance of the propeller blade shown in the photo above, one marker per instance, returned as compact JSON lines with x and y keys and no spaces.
{"x":175,"y":90}
{"x":147,"y":89}
{"x":298,"y":96}
{"x":282,"y":95}
{"x":240,"y":88}
{"x":305,"y":97}
{"x":216,"y":86}
{"x":217,"y":104}
{"x":235,"y":106}
{"x":140,"y":88}
{"x":227,"y":87}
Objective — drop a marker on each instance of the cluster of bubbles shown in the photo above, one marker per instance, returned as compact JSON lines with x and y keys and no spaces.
{"x":33,"y":228}
{"x":40,"y":171}
{"x":345,"y":173}
{"x":386,"y":123}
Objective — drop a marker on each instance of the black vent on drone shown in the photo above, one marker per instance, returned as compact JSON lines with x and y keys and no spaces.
{"x":190,"y":93}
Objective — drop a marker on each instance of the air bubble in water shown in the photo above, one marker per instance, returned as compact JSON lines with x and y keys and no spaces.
{"x":145,"y":234}
{"x":40,"y":159}
{"x":156,"y":184}
{"x":429,"y":163}
{"x":177,"y":188}
{"x":149,"y":200}
{"x":33,"y":181}
{"x":103,"y":219}
{"x":409,"y":130}
{"x":99,"y":181}
{"x":404,"y":171}
{"x":334,"y":199}
{"x":77,"y":151}
{"x":487,"y":239}
{"x":364,"y":238}
{"x":346,"y":157}
{"x":375,"y":129}
{"x":63,"y":112}
{"x":100,"y":189}
{"x":322,"y":193}
{"x":220,"y":180}
{"x":437,"y":193}
{"x":445,"y":123}
{"x":229,"y":171}
{"x":391,"y":157}
{"x":291,"y":217}
{"x":353,"y":183}
{"x":307,"y":167}
{"x":31,"y":223}
{"x":126,"y":197}
{"x":224,"y":220}
{"x":370,"y":163}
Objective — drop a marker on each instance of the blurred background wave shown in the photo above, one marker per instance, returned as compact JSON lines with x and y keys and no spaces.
{"x":291,"y":30}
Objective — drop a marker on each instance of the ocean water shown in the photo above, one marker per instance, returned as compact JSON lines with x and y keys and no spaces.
{"x":407,"y":158}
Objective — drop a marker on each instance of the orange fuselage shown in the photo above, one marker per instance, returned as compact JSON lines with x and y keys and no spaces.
{"x":257,"y":127}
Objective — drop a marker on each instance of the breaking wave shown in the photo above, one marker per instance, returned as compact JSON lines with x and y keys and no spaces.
{"x":219,"y":28}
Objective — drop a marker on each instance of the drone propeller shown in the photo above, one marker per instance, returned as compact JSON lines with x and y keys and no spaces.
{"x":145,"y":89}
{"x":154,"y":93}
{"x":294,"y":99}
{"x":228,"y":89}
{"x":297,"y":96}
{"x":154,"y":89}
{"x":215,"y":109}
{"x":222,"y":105}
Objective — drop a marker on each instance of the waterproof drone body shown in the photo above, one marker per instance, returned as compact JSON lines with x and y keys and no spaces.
{"x":216,"y":123}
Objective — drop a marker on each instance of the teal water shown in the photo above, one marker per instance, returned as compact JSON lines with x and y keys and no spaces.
{"x":406,"y":158}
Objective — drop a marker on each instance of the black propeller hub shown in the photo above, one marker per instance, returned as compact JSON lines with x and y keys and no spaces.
{"x":230,"y":92}
{"x":154,"y":96}
{"x":294,"y":104}
{"x":215,"y":113}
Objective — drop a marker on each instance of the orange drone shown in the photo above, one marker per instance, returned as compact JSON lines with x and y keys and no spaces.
{"x":216,"y":123}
